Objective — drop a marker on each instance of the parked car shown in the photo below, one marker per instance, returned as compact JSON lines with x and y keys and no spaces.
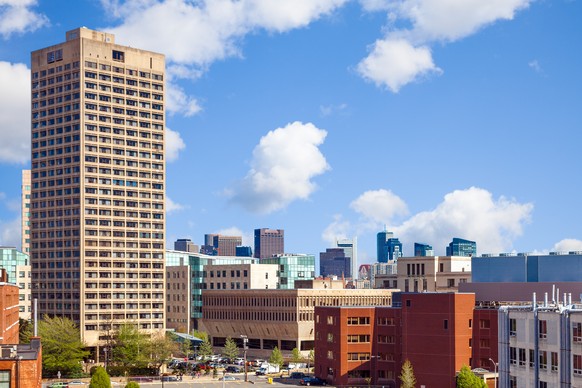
{"x":233,"y":369}
{"x":227,"y":378}
{"x":239,"y":361}
{"x":58,"y":384}
{"x":170,"y":378}
{"x":297,"y":375}
{"x":75,"y":383}
{"x":310,"y":380}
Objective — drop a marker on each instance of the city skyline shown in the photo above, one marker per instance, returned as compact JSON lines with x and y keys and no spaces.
{"x":288,"y":105}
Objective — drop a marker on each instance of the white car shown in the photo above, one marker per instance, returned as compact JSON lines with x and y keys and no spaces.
{"x":239,"y":361}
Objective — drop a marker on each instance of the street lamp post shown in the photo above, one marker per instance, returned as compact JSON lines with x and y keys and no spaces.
{"x":495,"y":365}
{"x":245,"y":347}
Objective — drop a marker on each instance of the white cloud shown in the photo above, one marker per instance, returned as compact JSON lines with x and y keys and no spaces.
{"x":396,"y":62}
{"x":328,"y":110}
{"x":194,"y":34}
{"x":379,"y":206}
{"x":535,"y":65}
{"x":16,"y":16}
{"x":202,"y":32}
{"x":338,"y":229}
{"x":174,"y":144}
{"x":472,"y":214}
{"x":282,"y":168}
{"x":172,"y":206}
{"x":567,"y":245}
{"x":14,"y":112}
{"x":10,"y":233}
{"x":403,"y":55}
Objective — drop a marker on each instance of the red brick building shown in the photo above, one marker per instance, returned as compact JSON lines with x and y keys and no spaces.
{"x":485,"y":338}
{"x":8,"y":310}
{"x":368,"y":345}
{"x":20,"y":365}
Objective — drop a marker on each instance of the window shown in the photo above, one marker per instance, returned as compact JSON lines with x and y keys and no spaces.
{"x":358,"y":338}
{"x":512,"y":382}
{"x":446,"y":324}
{"x":484,"y":324}
{"x":577,"y":332}
{"x":512,"y":327}
{"x":358,"y":320}
{"x":358,"y":356}
{"x":543,"y":327}
{"x":330,"y":355}
{"x":531,"y":358}
{"x":513,"y":356}
{"x":5,"y":379}
{"x":577,"y":364}
{"x":554,"y":359}
{"x":118,"y":56}
{"x":330,"y":320}
{"x":329,"y":337}
{"x":543,"y":359}
{"x":543,"y":384}
{"x":450,"y":283}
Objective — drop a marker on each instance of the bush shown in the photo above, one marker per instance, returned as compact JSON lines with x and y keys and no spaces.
{"x":132,"y":384}
{"x":100,"y":379}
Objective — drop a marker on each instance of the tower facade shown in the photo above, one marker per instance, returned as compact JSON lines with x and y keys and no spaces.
{"x":98,"y":184}
{"x":269,"y":242}
{"x":25,"y":213}
{"x":461,"y":247}
{"x":350,"y":247}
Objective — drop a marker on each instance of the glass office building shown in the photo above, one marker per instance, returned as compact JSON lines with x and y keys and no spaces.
{"x":292,"y":267}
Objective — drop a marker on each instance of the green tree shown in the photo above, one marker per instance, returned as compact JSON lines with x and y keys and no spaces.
{"x":24,"y":331}
{"x":310,"y":358}
{"x":296,"y":355}
{"x":62,"y":348}
{"x":100,"y":379}
{"x":132,"y":384}
{"x":231,"y":348}
{"x":130,"y":347}
{"x":407,"y":375}
{"x":205,"y":347}
{"x":276,"y":357}
{"x":160,"y":347}
{"x":467,"y":379}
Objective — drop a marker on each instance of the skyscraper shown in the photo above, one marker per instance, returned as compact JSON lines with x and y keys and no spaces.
{"x":381,"y":239}
{"x":98,"y":184}
{"x":460,"y":247}
{"x":269,"y":242}
{"x":350,"y":247}
{"x":334,"y":262}
{"x":185,"y":245}
{"x":388,"y":247}
{"x":423,"y":250}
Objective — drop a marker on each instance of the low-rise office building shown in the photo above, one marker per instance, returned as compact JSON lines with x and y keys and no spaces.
{"x":276,"y":318}
{"x":427,"y":274}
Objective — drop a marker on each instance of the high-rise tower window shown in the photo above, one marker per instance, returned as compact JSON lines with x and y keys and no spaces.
{"x":118,"y":56}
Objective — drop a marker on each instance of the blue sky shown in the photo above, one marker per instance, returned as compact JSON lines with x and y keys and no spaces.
{"x":333,"y":118}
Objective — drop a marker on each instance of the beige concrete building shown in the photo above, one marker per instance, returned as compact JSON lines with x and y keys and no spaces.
{"x":98,"y":183}
{"x":427,"y":274}
{"x":25,"y":213}
{"x":282,"y":318}
{"x":241,"y":276}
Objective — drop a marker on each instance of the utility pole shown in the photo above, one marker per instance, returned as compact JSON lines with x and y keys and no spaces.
{"x":245,"y":347}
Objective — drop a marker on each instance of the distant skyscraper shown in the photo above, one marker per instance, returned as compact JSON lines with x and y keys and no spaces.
{"x":460,"y":247}
{"x":381,"y":239}
{"x":423,"y":250}
{"x":350,"y":247}
{"x":25,"y":213}
{"x":334,"y":262}
{"x":98,"y":188}
{"x":220,"y":245}
{"x":185,"y":245}
{"x":388,"y":247}
{"x":226,"y":245}
{"x":269,"y":242}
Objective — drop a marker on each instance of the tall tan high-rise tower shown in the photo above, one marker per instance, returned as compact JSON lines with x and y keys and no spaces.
{"x":98,"y":184}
